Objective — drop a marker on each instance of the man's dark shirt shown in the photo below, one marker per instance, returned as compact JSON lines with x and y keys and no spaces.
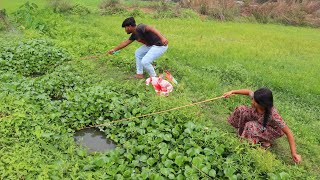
{"x":147,"y":38}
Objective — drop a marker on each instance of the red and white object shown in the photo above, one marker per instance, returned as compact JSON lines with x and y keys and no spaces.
{"x":161,"y":86}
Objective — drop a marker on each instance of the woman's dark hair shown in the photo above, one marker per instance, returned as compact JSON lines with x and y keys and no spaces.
{"x":129,"y":22}
{"x":264,"y":98}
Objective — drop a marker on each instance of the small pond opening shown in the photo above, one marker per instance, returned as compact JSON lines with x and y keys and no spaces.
{"x":93,"y":140}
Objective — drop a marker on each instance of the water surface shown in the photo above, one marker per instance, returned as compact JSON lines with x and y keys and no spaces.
{"x":93,"y":140}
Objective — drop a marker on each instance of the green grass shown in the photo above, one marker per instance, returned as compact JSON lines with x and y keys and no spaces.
{"x":208,"y":58}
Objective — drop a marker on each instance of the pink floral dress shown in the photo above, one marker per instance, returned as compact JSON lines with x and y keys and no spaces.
{"x":249,"y":124}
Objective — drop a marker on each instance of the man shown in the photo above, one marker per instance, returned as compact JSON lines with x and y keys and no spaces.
{"x":155,"y":44}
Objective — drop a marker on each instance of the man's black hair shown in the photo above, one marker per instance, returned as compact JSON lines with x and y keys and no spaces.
{"x":129,"y":22}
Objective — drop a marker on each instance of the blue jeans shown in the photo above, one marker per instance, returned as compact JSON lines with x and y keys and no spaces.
{"x":145,"y":55}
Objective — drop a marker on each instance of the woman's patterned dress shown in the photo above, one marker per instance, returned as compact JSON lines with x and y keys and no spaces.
{"x":249,"y":124}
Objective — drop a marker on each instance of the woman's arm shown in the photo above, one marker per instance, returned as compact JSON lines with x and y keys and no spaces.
{"x":296,"y":157}
{"x":156,"y":32}
{"x":120,"y":46}
{"x":240,"y":91}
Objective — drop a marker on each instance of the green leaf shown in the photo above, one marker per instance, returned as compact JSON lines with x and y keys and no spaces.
{"x":143,"y":158}
{"x":127,"y":173}
{"x":188,"y":130}
{"x":158,"y":119}
{"x":197,"y":161}
{"x":129,"y":156}
{"x":81,"y":152}
{"x":37,"y":132}
{"x":171,"y":176}
{"x":167,"y":137}
{"x":205,"y":169}
{"x":229,"y":171}
{"x":193,"y":151}
{"x":212,"y":173}
{"x":164,"y":150}
{"x":208,"y":151}
{"x":99,"y":162}
{"x":172,"y":154}
{"x":144,"y":174}
{"x":151,"y":161}
{"x":157,"y":177}
{"x":219,"y":150}
{"x":179,"y":160}
{"x":190,"y":125}
{"x":166,"y":171}
{"x":168,"y":163}
{"x":176,"y":131}
{"x":284,"y":175}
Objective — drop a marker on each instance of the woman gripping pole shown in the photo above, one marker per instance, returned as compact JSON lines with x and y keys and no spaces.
{"x":260,"y":123}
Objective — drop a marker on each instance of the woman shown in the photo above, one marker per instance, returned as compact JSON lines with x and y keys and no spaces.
{"x":261,"y":122}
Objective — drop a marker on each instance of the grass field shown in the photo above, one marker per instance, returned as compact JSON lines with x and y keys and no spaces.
{"x":207,"y":58}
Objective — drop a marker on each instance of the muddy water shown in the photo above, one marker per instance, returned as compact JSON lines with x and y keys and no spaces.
{"x":93,"y":140}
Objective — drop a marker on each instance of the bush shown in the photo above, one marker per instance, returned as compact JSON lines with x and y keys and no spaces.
{"x":3,"y":20}
{"x":97,"y":104}
{"x":60,"y":6}
{"x":28,"y":16}
{"x":56,"y":84}
{"x":136,"y":13}
{"x":285,"y":12}
{"x":219,"y":9}
{"x":32,"y":58}
{"x":291,"y":13}
{"x":111,"y":7}
{"x":64,"y":6}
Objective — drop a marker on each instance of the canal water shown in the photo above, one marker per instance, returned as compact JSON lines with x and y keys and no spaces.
{"x":93,"y":140}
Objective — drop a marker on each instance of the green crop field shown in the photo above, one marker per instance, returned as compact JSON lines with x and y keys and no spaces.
{"x":56,"y":78}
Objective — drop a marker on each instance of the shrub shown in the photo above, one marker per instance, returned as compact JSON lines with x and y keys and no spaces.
{"x":65,"y":6}
{"x":60,"y":6}
{"x":3,"y":20}
{"x":80,"y":10}
{"x":56,"y":84}
{"x":219,"y":9}
{"x":110,"y":7}
{"x":286,"y":12}
{"x":32,"y":58}
{"x":136,"y":13}
{"x":28,"y":16}
{"x":97,"y":104}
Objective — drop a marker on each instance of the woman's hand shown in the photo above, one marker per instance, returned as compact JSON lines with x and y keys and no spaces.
{"x":296,"y":158}
{"x":228,"y":94}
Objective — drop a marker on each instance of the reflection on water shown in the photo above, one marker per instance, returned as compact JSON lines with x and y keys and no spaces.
{"x":93,"y":140}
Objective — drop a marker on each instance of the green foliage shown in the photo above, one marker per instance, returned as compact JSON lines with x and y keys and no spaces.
{"x":232,"y":74}
{"x":60,"y":6}
{"x":56,"y":84}
{"x":97,"y":105}
{"x":3,"y":20}
{"x":32,"y":58}
{"x":28,"y":16}
{"x":111,"y":7}
{"x":65,"y":6}
{"x":38,"y":115}
{"x":136,"y":13}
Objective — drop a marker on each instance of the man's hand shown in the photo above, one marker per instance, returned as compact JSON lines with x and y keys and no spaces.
{"x":164,"y":41}
{"x":111,"y":51}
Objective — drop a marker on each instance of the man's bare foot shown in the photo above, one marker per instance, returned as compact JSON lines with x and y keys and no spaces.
{"x":138,"y":76}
